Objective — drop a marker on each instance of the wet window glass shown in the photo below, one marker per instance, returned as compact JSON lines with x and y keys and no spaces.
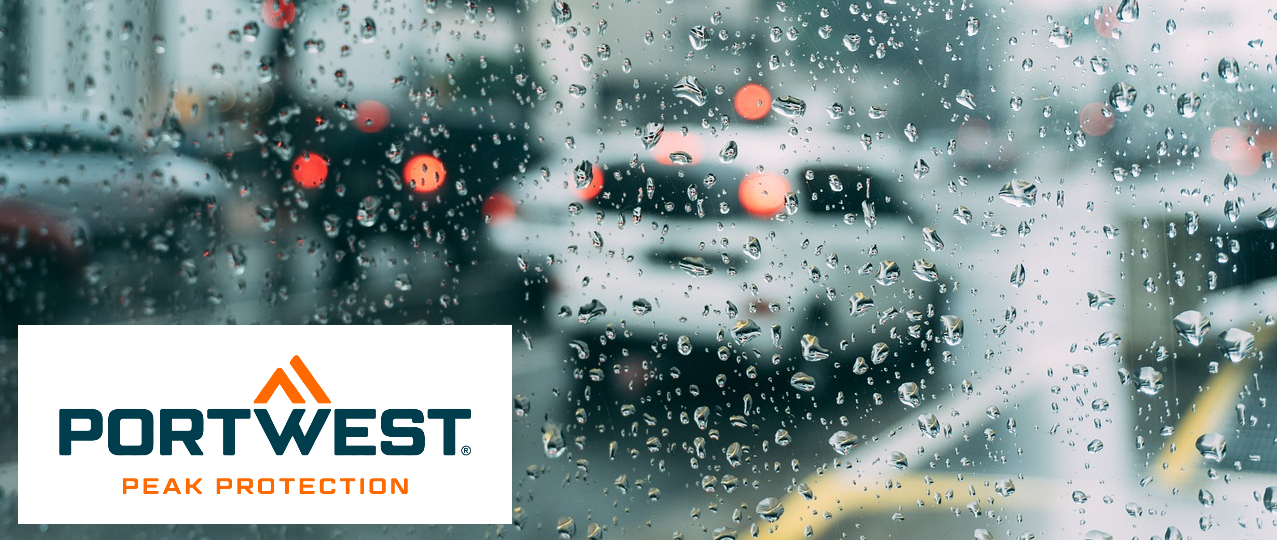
{"x":774,"y":268}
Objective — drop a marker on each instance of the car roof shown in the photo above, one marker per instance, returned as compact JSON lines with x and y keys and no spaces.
{"x":30,"y":116}
{"x":768,"y":148}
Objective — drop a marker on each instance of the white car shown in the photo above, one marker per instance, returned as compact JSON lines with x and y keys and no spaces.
{"x":756,"y":241}
{"x":95,"y":214}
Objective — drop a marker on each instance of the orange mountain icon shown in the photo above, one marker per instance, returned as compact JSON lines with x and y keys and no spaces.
{"x":280,"y":380}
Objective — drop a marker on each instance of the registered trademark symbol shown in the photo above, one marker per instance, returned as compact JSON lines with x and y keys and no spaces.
{"x":465,"y":450}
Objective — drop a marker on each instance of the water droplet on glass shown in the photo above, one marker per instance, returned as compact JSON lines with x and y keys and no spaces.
{"x":1270,"y":499}
{"x":812,"y":351}
{"x":1187,"y":104}
{"x":1061,"y":36}
{"x":898,"y":460}
{"x":699,"y":36}
{"x":583,"y":174}
{"x":910,"y":394}
{"x":843,"y":441}
{"x":911,"y":132}
{"x":966,"y":99}
{"x":729,"y":152}
{"x":642,"y":306}
{"x":1128,"y":11}
{"x":552,"y":440}
{"x":684,"y":345}
{"x":1212,"y":446}
{"x":1192,"y":220}
{"x":368,"y":30}
{"x":1020,"y":193}
{"x":695,"y":266}
{"x":1017,"y":276}
{"x":889,"y":272}
{"x":953,"y":328}
{"x":1229,"y":70}
{"x":929,"y":425}
{"x":590,"y":311}
{"x":652,"y":134}
{"x":691,"y":89}
{"x":920,"y":169}
{"x":926,"y":271}
{"x":1098,"y":299}
{"x":1149,"y":381}
{"x":851,"y":42}
{"x":789,"y":106}
{"x":1236,"y":344}
{"x":561,"y":13}
{"x":1205,"y":497}
{"x":1268,"y":217}
{"x":803,"y":382}
{"x":1122,"y":96}
{"x":1192,"y":326}
{"x":745,"y":330}
{"x":770,"y":509}
{"x":931,"y":239}
{"x":973,"y":26}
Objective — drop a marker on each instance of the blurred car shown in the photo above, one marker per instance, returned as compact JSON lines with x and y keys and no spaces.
{"x":93,"y":215}
{"x":730,"y":242}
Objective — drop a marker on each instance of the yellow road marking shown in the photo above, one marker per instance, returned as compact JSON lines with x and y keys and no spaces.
{"x":1210,"y":410}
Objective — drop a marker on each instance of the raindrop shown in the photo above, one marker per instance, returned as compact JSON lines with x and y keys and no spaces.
{"x":1017,"y":276}
{"x":692,"y":90}
{"x":695,"y":266}
{"x":652,"y":134}
{"x":953,"y":328}
{"x":1019,"y":193}
{"x":561,"y":13}
{"x":909,"y":394}
{"x":368,"y":31}
{"x":1149,"y":381}
{"x":770,"y":509}
{"x":1187,"y":104}
{"x":973,"y":26}
{"x":812,"y":351}
{"x":1229,"y":70}
{"x":1212,"y":446}
{"x":803,"y":382}
{"x":926,"y":271}
{"x":1268,"y":217}
{"x":729,"y":152}
{"x":931,"y":239}
{"x":699,"y":35}
{"x":1128,"y":11}
{"x":745,"y":330}
{"x":1236,"y":344}
{"x":1122,"y":96}
{"x":789,"y":106}
{"x":1192,"y":326}
{"x":842,"y":442}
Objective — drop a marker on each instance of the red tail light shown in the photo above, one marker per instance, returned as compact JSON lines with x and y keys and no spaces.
{"x":35,"y":229}
{"x":763,"y":194}
{"x":424,"y":173}
{"x":596,"y":185}
{"x":499,"y":209}
{"x":688,"y":148}
{"x":753,"y":101}
{"x":1096,"y":119}
{"x":278,"y":14}
{"x":310,"y":169}
{"x":371,"y":116}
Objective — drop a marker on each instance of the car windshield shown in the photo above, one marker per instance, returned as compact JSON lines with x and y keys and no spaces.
{"x":763,"y":269}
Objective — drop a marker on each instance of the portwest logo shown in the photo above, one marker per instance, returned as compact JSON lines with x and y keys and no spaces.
{"x":414,"y":440}
{"x":393,"y":428}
